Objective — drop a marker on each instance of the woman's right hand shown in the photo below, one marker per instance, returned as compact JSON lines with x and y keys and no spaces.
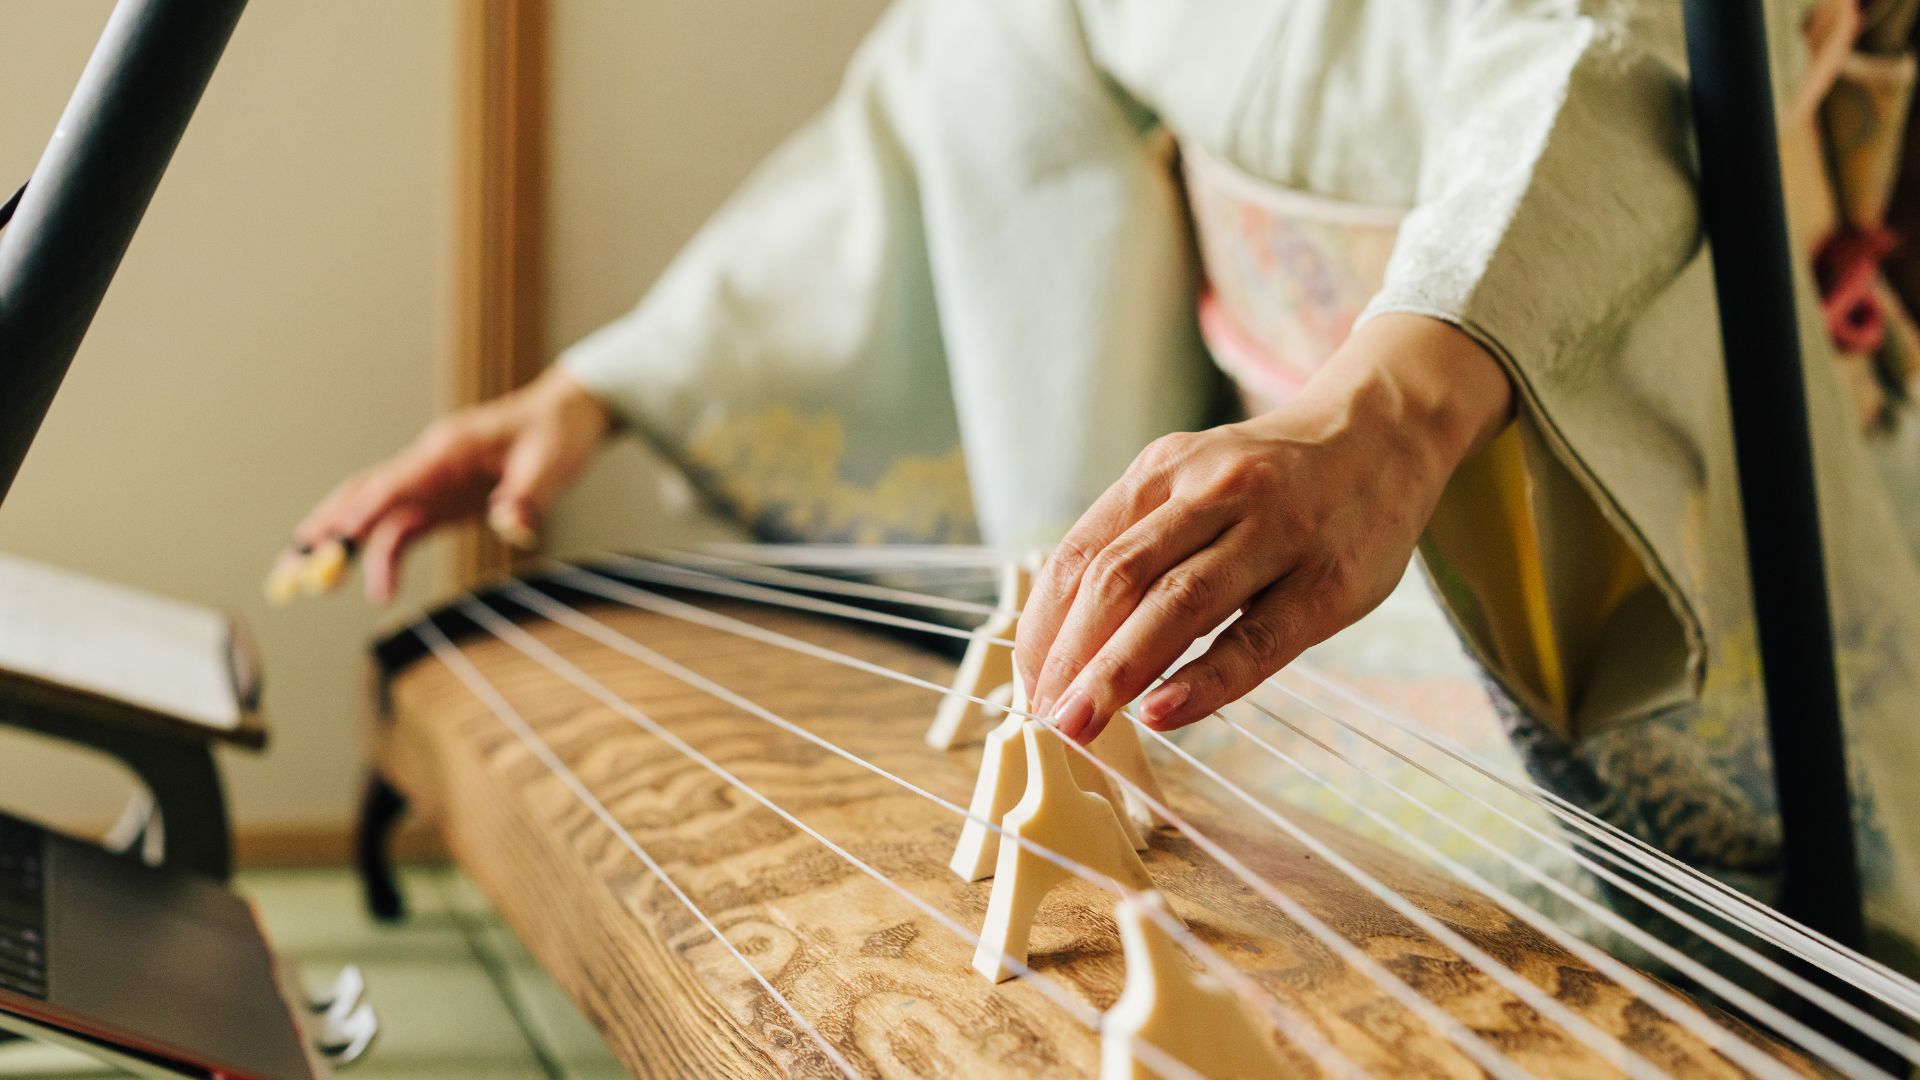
{"x":507,"y":459}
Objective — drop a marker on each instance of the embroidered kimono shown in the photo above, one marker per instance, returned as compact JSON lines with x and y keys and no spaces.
{"x":961,"y":301}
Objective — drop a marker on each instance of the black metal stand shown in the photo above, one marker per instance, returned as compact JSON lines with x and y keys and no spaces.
{"x":89,"y":192}
{"x":1746,"y":224}
{"x":179,"y":773}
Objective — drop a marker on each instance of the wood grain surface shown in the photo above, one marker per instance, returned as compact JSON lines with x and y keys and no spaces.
{"x":886,"y":983}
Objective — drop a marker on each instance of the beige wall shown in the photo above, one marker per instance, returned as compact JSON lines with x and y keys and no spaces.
{"x":280,"y":320}
{"x":659,"y":111}
{"x":277,"y":323}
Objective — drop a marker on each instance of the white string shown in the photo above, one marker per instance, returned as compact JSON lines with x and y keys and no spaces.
{"x":1468,"y":1042}
{"x":699,"y":581}
{"x":1872,"y":1025}
{"x":1886,"y":1034}
{"x":532,"y":647}
{"x":457,"y":662}
{"x":1546,"y":1006}
{"x":867,"y":556}
{"x":1644,"y":859}
{"x":1602,"y":1043}
{"x":1714,"y":1034}
{"x":928,"y":577}
{"x":773,"y":575}
{"x":1869,"y":976}
{"x":1887,"y":985}
{"x":680,"y":577}
{"x":1289,"y":1024}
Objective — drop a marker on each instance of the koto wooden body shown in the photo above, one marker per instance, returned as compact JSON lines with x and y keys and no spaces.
{"x":886,"y":983}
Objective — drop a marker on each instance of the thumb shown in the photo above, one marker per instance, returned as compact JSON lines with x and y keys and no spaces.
{"x":529,"y":479}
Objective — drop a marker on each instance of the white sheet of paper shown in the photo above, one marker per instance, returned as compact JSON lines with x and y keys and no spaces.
{"x":123,"y":643}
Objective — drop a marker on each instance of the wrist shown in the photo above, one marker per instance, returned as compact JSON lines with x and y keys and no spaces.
{"x":1423,"y":380}
{"x":565,"y":399}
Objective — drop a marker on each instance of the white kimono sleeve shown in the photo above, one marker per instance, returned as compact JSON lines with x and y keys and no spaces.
{"x":1556,"y":193}
{"x":960,"y":295}
{"x":1556,"y":211}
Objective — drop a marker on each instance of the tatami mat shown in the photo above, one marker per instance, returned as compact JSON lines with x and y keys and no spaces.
{"x":458,"y":997}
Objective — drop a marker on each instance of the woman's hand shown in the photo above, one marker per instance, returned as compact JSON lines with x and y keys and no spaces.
{"x":508,"y":458}
{"x":1301,"y":519}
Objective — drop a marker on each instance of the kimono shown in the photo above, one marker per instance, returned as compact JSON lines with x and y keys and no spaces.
{"x":1013,"y":250}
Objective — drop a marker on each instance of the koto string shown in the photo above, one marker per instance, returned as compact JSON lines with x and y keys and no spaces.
{"x":532,"y":647}
{"x":773,"y":575}
{"x":931,"y":577}
{"x":1889,"y":986}
{"x":702,"y":582}
{"x":1676,"y":877}
{"x":1602,"y":1043}
{"x":1468,"y":1042}
{"x":679,"y":577}
{"x":1464,"y":1039}
{"x":1289,"y":1024}
{"x":1635,"y":855}
{"x":851,"y":556}
{"x":1716,"y":1035}
{"x":457,"y":662}
{"x":1680,"y":1012}
{"x":1887,"y":1035}
{"x":1605,"y":832}
{"x":1638,"y":935}
{"x":722,"y":587}
{"x":861,"y":556}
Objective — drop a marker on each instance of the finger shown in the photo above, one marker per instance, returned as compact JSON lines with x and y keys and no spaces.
{"x":1183,"y":603}
{"x":1277,"y":627}
{"x":352,"y":507}
{"x":1131,"y":498}
{"x":316,"y":559}
{"x":432,"y":465}
{"x":387,"y":542}
{"x":528,"y":480}
{"x":1115,"y":582}
{"x":404,"y":479}
{"x":326,"y":517}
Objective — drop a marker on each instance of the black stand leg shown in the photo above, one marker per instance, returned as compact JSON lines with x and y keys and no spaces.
{"x":381,"y":807}
{"x":1744,"y":212}
{"x":182,"y":777}
{"x":192,"y":806}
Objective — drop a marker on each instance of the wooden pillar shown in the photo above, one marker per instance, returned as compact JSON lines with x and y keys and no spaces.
{"x":500,"y":262}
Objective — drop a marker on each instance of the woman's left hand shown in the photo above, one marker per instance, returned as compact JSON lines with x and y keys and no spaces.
{"x":1302,"y":520}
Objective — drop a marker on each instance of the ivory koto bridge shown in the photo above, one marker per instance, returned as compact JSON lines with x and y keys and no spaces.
{"x":890,"y":987}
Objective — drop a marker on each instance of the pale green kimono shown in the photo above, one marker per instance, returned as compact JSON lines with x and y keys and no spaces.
{"x":963,"y":299}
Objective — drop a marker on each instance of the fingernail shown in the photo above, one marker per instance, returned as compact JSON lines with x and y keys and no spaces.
{"x":1160,"y":705}
{"x":1073,"y":712}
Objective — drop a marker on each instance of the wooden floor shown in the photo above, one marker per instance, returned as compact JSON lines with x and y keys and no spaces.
{"x":888,"y":985}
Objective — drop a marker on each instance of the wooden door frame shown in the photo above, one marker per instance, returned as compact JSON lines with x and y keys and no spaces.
{"x":500,"y":238}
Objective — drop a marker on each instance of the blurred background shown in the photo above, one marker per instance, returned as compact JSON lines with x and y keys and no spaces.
{"x":293,"y":310}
